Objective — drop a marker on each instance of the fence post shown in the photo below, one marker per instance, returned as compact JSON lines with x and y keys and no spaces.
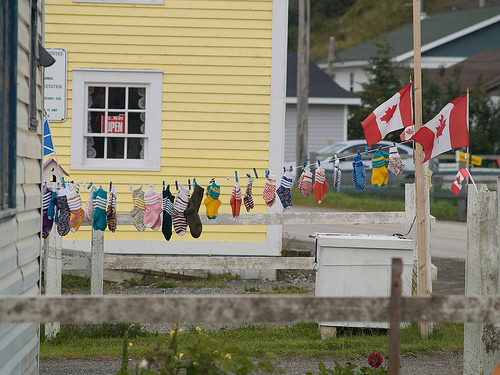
{"x":395,"y":315}
{"x":481,"y":344}
{"x":97,"y":262}
{"x":52,"y":267}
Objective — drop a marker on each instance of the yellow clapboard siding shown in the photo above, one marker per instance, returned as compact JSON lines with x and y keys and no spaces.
{"x":232,"y":146}
{"x":190,"y":50}
{"x":234,"y":61}
{"x":215,"y":135}
{"x":245,"y":127}
{"x":219,"y":117}
{"x":185,"y":4}
{"x":171,"y":40}
{"x":163,"y":17}
{"x":171,"y":32}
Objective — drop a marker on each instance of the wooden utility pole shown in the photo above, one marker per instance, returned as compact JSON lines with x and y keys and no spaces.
{"x":421,"y":174}
{"x":331,"y":51}
{"x":302,"y":82}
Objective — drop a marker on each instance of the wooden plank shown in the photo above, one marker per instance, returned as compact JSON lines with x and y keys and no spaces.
{"x":168,"y":263}
{"x":97,"y":261}
{"x":206,"y":263}
{"x":295,"y":218}
{"x":245,"y":309}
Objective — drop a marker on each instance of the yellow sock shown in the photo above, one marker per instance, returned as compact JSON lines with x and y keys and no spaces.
{"x":212,"y":206}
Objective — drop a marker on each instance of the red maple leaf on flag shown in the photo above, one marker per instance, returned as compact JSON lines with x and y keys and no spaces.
{"x":389,"y":113}
{"x":440,"y":128}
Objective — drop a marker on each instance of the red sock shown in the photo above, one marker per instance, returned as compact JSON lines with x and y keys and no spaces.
{"x":320,"y":185}
{"x":235,"y":200}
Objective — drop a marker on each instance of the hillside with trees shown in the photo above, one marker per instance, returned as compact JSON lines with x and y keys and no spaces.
{"x":353,"y":22}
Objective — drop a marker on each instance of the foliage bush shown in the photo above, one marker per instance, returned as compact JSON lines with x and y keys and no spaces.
{"x":205,"y":356}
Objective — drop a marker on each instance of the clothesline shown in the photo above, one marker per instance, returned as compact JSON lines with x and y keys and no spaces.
{"x":192,"y":182}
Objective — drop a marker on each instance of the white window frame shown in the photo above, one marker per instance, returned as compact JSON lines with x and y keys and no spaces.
{"x":153,"y":81}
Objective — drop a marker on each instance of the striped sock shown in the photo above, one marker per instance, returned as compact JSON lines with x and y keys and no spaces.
{"x":248,"y":199}
{"x":180,"y":205}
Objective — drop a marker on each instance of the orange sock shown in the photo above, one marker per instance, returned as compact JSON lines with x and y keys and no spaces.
{"x":320,"y":186}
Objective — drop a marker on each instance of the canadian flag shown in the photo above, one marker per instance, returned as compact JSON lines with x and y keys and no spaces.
{"x":447,"y":131}
{"x":407,"y":133}
{"x":456,"y":186}
{"x":394,"y":114}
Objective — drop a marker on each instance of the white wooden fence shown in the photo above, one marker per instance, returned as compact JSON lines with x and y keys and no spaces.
{"x":479,"y":308}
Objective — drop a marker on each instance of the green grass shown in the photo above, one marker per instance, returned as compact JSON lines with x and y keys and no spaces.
{"x":441,"y":208}
{"x":301,"y":340}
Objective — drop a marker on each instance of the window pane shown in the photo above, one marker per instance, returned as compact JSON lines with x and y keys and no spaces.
{"x":116,"y":147}
{"x":95,"y":147}
{"x":116,"y":98}
{"x":137,"y":98}
{"x":95,"y":122}
{"x":97,"y":97}
{"x":136,"y":122}
{"x":135,"y":149}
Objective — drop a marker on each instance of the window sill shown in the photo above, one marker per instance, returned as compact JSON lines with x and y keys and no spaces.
{"x":8,"y":214}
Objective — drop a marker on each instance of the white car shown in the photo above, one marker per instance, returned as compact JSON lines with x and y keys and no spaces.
{"x":346,"y":151}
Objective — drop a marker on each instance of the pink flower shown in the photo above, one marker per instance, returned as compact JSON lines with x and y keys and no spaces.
{"x":375,"y":360}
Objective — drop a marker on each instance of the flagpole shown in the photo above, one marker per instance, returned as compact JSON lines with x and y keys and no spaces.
{"x":421,"y":171}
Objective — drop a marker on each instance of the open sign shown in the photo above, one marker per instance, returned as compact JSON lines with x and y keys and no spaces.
{"x":116,"y":124}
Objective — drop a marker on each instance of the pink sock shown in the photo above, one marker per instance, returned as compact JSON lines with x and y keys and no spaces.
{"x":152,"y":217}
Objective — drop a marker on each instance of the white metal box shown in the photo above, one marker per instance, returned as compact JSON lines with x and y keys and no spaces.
{"x":359,"y":265}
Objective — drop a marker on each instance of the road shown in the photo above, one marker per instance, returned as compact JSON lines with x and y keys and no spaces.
{"x":449,"y":240}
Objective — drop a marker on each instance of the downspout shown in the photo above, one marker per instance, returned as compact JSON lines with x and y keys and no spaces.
{"x":33,"y":66}
{"x":9,"y":103}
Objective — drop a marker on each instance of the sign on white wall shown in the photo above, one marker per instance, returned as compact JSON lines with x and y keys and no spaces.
{"x":55,"y":86}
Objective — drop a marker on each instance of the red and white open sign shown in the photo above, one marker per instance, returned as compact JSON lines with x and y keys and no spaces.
{"x":116,"y":124}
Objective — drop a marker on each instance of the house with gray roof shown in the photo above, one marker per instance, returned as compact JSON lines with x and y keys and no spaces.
{"x":447,"y":38}
{"x":327,"y":110}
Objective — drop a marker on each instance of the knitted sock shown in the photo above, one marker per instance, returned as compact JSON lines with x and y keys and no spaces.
{"x":320,"y":185}
{"x":153,"y":209}
{"x":89,"y":206}
{"x":379,"y":172}
{"x":248,"y":199}
{"x":235,"y":200}
{"x":137,"y":212}
{"x":168,"y":210}
{"x":111,"y":210}
{"x":64,"y":212}
{"x":283,"y":191}
{"x":46,"y":221}
{"x":358,"y":173}
{"x":395,"y":166}
{"x":77,"y":212}
{"x":337,"y":176}
{"x":269,"y":193}
{"x":52,"y":208}
{"x":191,"y":213}
{"x":212,"y":201}
{"x":180,"y":205}
{"x":305,"y":182}
{"x":100,"y":200}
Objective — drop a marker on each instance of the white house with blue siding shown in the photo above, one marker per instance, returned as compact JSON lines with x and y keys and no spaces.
{"x":327,"y":111}
{"x":21,"y":93}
